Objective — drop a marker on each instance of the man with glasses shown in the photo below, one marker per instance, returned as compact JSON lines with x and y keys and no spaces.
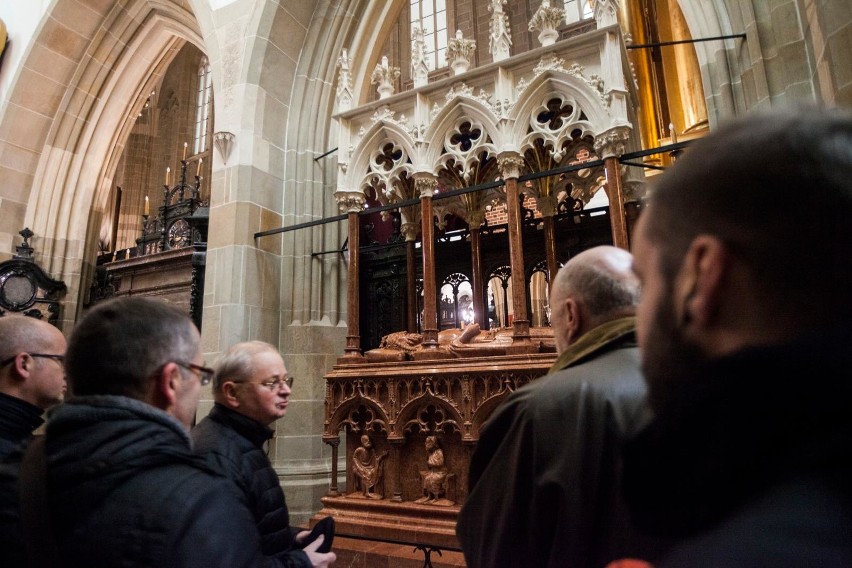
{"x":32,"y":377}
{"x":251,"y":390}
{"x":119,"y":483}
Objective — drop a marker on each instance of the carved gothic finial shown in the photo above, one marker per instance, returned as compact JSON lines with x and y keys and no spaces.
{"x":500,"y":35}
{"x":606,"y":13}
{"x":384,"y":75}
{"x":419,"y":67}
{"x":344,"y":82}
{"x":224,"y":142}
{"x":459,"y":52}
{"x":546,"y":19}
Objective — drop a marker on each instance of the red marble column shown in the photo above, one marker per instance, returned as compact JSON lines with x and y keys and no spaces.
{"x":409,"y":230}
{"x":510,"y":168}
{"x":476,"y":276}
{"x":547,"y":206}
{"x":615,"y":193}
{"x":353,"y":336}
{"x":425,"y":186}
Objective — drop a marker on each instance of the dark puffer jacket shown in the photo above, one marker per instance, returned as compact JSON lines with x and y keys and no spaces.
{"x":125,"y":490}
{"x":18,"y":419}
{"x":233,"y":444}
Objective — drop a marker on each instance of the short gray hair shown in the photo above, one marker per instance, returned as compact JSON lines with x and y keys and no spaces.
{"x":237,"y":364}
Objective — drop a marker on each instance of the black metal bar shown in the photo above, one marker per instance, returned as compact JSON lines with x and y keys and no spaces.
{"x":300,"y":226}
{"x":480,"y":187}
{"x":641,"y":165}
{"x":680,"y":41}
{"x":321,"y":156}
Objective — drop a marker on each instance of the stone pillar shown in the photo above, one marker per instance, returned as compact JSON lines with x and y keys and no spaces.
{"x":425,"y":185}
{"x":609,"y":146}
{"x":510,"y":164}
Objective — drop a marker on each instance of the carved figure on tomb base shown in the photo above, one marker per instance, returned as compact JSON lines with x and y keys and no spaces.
{"x":435,"y":478}
{"x":367,"y":466}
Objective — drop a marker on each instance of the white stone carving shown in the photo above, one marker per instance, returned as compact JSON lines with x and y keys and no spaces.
{"x":546,"y":19}
{"x":612,"y":142}
{"x":419,"y":67}
{"x":344,"y":82}
{"x":384,"y":75}
{"x":606,"y":13}
{"x":459,"y":52}
{"x":464,"y":146}
{"x":500,"y":37}
{"x":224,"y":142}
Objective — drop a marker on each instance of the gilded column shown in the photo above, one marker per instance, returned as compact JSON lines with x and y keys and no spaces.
{"x":425,"y":185}
{"x":509,"y":164}
{"x":609,"y":146}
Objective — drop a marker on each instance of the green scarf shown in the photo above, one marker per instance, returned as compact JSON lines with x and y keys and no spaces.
{"x":593,"y":340}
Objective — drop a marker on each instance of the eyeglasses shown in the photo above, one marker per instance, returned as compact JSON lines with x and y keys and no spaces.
{"x":60,"y":358}
{"x":205,"y":374}
{"x":273,"y":384}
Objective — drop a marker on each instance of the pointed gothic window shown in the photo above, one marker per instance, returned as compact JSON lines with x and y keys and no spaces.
{"x":431,"y":16}
{"x":577,"y":10}
{"x":204,"y":101}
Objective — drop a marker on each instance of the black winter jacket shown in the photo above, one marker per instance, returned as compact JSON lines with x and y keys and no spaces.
{"x":18,"y":419}
{"x":125,"y":490}
{"x":233,"y":444}
{"x":750,"y":463}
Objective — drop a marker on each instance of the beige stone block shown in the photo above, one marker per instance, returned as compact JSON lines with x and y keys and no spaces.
{"x":836,"y":14}
{"x":270,"y":220}
{"x":302,"y":12}
{"x":796,"y":65}
{"x":211,"y":320}
{"x":786,"y":25}
{"x":12,"y":216}
{"x":271,"y":130}
{"x":78,"y":16}
{"x":61,"y":39}
{"x":840,"y":47}
{"x":234,"y":325}
{"x":278,"y":70}
{"x":51,"y":65}
{"x":37,"y":92}
{"x":226,"y":285}
{"x":26,"y":128}
{"x":263,"y":325}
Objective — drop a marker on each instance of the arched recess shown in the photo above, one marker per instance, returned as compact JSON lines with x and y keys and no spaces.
{"x":447,"y":119}
{"x":115,"y":61}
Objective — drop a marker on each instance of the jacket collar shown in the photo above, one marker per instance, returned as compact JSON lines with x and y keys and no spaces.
{"x":248,"y":428}
{"x":593,"y":341}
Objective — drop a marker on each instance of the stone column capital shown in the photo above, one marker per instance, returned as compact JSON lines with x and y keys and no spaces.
{"x":350,"y":201}
{"x":510,"y":164}
{"x":425,"y":184}
{"x":612,"y":143}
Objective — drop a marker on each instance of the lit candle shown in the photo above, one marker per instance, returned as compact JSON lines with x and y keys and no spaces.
{"x":147,"y":207}
{"x":673,"y":132}
{"x":198,"y":169}
{"x":184,"y":150}
{"x":168,"y":174}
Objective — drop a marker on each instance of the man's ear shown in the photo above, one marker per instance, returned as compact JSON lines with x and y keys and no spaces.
{"x":699,"y":285}
{"x":166,"y":385}
{"x":229,"y":394}
{"x":573,"y":320}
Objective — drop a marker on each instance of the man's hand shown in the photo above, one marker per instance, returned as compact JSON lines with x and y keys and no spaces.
{"x":318,"y":559}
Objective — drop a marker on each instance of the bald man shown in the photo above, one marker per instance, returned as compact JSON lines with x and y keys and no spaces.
{"x":32,"y":376}
{"x":544,"y":481}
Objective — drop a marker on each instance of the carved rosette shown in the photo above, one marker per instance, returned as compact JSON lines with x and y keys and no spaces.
{"x":613,"y":142}
{"x":500,"y":37}
{"x":384,"y":76}
{"x":510,"y":164}
{"x":459,"y":52}
{"x":345,"y":95}
{"x":546,"y":19}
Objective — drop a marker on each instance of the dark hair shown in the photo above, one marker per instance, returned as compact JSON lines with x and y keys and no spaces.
{"x":777,"y":189}
{"x":119,"y":344}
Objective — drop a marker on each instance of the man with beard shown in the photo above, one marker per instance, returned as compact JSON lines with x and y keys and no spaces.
{"x":545,"y":477}
{"x":745,"y":326}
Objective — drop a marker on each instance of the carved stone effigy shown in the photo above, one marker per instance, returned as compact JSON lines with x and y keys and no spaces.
{"x":456,"y":343}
